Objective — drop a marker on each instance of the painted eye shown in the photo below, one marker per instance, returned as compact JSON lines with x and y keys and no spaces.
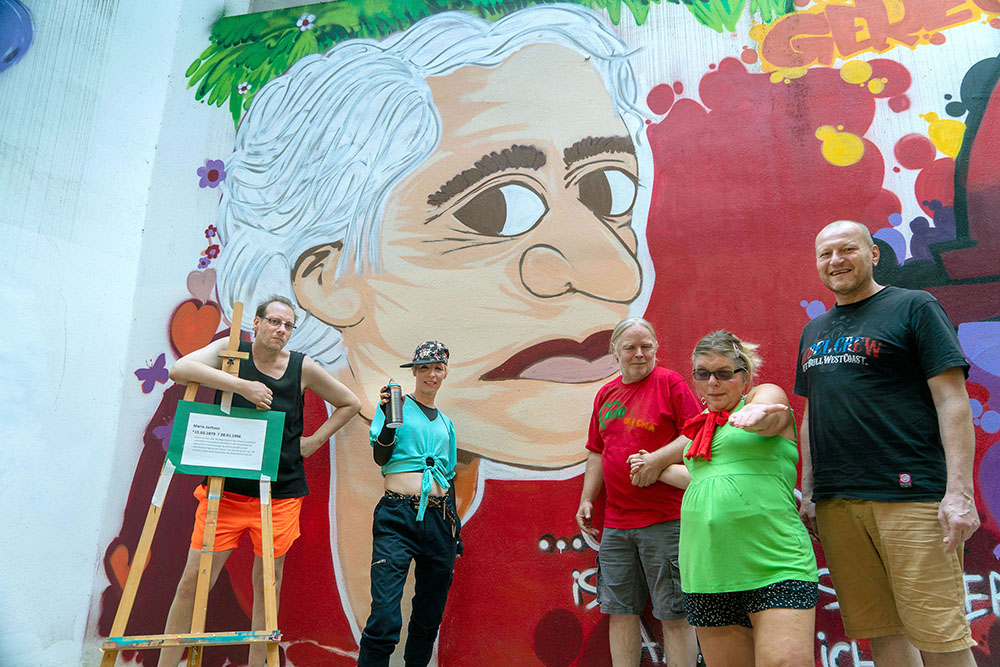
{"x":608,"y":192}
{"x":503,"y":210}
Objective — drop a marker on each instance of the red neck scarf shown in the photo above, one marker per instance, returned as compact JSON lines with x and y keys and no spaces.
{"x":701,"y":429}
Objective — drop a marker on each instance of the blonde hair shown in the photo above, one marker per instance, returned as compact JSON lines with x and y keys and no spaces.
{"x":726,"y":344}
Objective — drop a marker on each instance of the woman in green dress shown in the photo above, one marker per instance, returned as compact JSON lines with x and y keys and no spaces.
{"x":748,"y":570}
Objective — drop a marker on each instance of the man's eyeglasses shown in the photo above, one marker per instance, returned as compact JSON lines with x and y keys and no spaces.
{"x":289,"y":327}
{"x":722,"y":375}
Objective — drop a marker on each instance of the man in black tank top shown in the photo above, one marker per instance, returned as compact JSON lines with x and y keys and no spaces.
{"x":275,"y":379}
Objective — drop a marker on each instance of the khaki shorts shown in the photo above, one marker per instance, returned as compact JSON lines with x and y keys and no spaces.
{"x":891,"y":573}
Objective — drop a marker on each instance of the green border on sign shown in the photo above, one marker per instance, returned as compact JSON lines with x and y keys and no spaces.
{"x":272,"y":440}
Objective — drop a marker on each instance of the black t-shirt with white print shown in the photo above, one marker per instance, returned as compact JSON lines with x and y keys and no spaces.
{"x":873,"y":429}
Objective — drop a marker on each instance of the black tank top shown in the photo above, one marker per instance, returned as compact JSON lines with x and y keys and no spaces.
{"x":287,"y":398}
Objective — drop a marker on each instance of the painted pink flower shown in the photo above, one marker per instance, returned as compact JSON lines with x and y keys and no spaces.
{"x":306,"y":22}
{"x":212,"y":251}
{"x":243,"y":88}
{"x":210,"y":232}
{"x":213,"y":173}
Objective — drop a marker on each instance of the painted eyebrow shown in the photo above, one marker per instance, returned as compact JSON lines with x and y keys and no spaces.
{"x":515,"y":157}
{"x":591,"y":146}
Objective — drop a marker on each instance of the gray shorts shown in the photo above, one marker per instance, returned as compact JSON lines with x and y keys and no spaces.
{"x":636,"y":562}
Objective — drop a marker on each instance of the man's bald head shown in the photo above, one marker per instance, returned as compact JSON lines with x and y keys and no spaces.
{"x":846,"y":257}
{"x":849,"y":226}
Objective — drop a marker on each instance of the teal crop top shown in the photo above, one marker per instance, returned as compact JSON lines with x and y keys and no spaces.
{"x":421,"y":446}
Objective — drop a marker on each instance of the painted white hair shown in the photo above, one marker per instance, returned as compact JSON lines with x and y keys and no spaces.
{"x":323,"y":146}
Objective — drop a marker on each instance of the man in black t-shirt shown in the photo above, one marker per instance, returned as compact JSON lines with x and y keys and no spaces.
{"x":887,"y":451}
{"x":272,"y":378}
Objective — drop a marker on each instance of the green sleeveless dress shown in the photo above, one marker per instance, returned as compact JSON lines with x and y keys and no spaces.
{"x":740,"y":528}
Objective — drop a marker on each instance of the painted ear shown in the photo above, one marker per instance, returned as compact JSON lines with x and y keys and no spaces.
{"x":336,"y":301}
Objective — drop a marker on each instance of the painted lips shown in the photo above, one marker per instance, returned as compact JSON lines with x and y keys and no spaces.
{"x":560,"y":360}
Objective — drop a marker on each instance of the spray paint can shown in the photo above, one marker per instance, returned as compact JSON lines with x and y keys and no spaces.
{"x":394,"y":411}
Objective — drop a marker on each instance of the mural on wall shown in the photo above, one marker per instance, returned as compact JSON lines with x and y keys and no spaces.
{"x":510,"y":187}
{"x":248,"y":51}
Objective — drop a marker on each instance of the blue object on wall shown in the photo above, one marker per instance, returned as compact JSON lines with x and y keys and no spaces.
{"x":15,"y":32}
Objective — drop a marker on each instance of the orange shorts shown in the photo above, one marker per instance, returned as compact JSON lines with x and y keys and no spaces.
{"x":238,"y":513}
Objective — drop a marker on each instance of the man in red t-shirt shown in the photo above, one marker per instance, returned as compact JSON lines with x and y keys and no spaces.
{"x":643,"y":410}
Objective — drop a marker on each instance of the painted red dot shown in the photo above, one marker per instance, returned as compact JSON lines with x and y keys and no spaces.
{"x":899,"y":103}
{"x":712,"y":66}
{"x":914,"y":151}
{"x":749,"y":56}
{"x":938,"y":38}
{"x":558,"y":638}
{"x":894,"y":169}
{"x":678,"y":87}
{"x":979,"y":392}
{"x":660,"y":99}
{"x":897,"y":77}
{"x":936,"y":181}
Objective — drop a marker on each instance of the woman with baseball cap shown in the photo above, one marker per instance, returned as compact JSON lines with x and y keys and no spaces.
{"x":416,"y":518}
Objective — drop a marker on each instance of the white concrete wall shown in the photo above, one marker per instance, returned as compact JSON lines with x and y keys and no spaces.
{"x":79,"y":124}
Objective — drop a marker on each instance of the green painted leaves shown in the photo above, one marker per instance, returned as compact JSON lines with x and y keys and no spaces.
{"x":248,"y":51}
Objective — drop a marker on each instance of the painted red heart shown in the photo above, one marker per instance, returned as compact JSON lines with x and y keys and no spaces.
{"x":193,"y":326}
{"x":119,"y":564}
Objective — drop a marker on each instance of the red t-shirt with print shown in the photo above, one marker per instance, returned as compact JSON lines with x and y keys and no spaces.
{"x":628,"y":417}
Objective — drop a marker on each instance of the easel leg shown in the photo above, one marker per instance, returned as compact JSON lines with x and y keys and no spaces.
{"x":270,"y":592}
{"x":205,"y":567}
{"x":138,"y":563}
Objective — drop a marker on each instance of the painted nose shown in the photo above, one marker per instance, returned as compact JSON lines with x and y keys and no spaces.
{"x":594,"y":262}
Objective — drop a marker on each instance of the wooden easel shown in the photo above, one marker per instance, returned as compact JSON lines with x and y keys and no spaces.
{"x":196,"y":640}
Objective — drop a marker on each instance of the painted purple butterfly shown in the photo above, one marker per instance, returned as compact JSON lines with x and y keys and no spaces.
{"x":162,"y":433}
{"x":157,"y":372}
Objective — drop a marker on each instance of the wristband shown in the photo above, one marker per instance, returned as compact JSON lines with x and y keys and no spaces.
{"x":386,"y":432}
